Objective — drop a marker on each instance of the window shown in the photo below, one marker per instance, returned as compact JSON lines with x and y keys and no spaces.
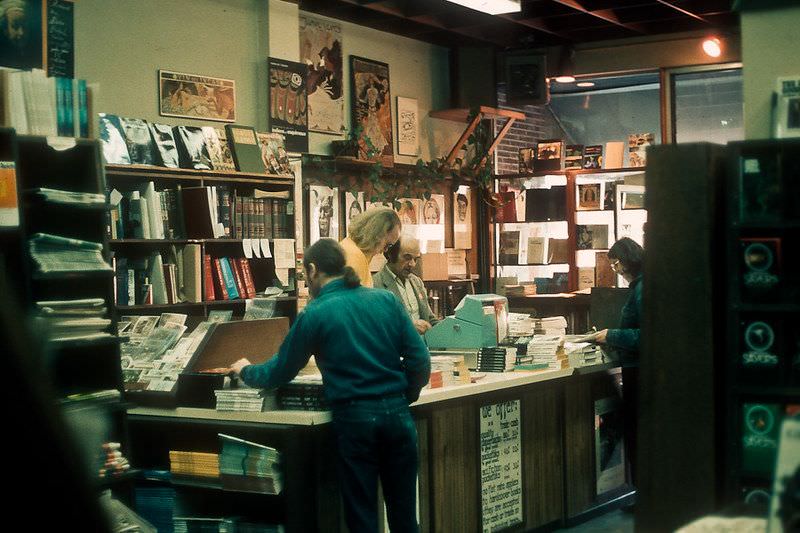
{"x":708,"y":106}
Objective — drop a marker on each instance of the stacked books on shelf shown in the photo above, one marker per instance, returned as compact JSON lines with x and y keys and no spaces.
{"x":74,"y":320}
{"x":581,"y":353}
{"x":198,"y":524}
{"x":114,"y":463}
{"x":228,"y":278}
{"x":521,"y":324}
{"x":35,"y":104}
{"x":549,"y":350}
{"x":551,"y":325}
{"x":304,"y":393}
{"x":194,"y":464}
{"x":249,"y":400}
{"x":70,"y":198}
{"x":55,"y":254}
{"x":249,"y":467}
{"x":156,"y":505}
{"x":452,"y":370}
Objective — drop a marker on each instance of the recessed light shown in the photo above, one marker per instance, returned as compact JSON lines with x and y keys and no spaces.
{"x":565,"y":79}
{"x":585,"y":84}
{"x":712,"y":47}
{"x":492,"y":7}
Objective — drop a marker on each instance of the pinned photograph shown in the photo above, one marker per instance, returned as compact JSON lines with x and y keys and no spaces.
{"x":433,"y":210}
{"x":409,"y":211}
{"x":323,"y":212}
{"x":353,"y":206}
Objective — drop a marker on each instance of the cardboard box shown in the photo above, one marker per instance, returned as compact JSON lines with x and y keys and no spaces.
{"x":433,"y":267}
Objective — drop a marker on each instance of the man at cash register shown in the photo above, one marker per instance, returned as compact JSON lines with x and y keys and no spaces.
{"x":398,"y":277}
{"x":373,"y":365}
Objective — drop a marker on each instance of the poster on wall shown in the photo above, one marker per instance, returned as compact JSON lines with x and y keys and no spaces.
{"x":198,"y":97}
{"x":288,"y":103}
{"x":323,"y":211}
{"x":407,"y":126}
{"x":21,"y":34}
{"x":353,"y":206}
{"x":462,"y":218}
{"x":321,"y":51}
{"x":372,"y":109}
{"x":501,"y":465}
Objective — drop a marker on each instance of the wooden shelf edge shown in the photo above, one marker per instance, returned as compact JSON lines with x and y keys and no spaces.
{"x":223,"y":175}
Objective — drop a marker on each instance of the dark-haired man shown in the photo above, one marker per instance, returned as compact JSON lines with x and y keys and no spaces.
{"x":373,"y":365}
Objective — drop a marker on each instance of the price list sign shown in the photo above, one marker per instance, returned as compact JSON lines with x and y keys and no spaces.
{"x":501,"y":465}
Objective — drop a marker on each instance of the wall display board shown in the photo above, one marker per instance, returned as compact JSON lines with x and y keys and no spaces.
{"x":501,"y":465}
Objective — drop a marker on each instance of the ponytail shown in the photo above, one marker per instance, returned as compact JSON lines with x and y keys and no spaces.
{"x":328,"y":257}
{"x":351,"y":279}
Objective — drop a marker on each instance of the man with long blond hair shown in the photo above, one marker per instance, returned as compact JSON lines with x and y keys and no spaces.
{"x":370,"y":233}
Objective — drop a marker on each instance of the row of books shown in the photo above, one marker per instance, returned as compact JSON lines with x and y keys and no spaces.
{"x":512,"y":250}
{"x":248,"y":400}
{"x":497,"y":359}
{"x":236,"y":147}
{"x":250,"y":467}
{"x":206,"y":212}
{"x":34,"y":104}
{"x":194,"y":464}
{"x":556,"y":155}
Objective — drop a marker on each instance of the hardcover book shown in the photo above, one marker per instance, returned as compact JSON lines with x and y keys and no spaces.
{"x":536,"y":250}
{"x":509,"y":248}
{"x":218,"y":150}
{"x":208,"y":279}
{"x":192,"y":151}
{"x":245,"y":148}
{"x":273,"y":153}
{"x":507,"y":210}
{"x":573,"y":156}
{"x":165,"y":144}
{"x":141,"y":148}
{"x":593,"y":156}
{"x":229,"y":278}
{"x":558,"y":251}
{"x":586,"y":278}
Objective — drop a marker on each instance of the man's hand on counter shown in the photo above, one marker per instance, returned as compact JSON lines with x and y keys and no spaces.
{"x":422,"y":326}
{"x":239,"y":365}
{"x":600,"y":336}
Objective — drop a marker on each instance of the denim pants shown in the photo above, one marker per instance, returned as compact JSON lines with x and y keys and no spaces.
{"x":377,"y":438}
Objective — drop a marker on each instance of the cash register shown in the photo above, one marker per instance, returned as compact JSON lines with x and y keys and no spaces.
{"x":480,"y":321}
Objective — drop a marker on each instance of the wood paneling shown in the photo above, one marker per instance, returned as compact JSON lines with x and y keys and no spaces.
{"x":424,"y":476}
{"x":578,"y":446}
{"x":455,"y":482}
{"x":542,"y":456}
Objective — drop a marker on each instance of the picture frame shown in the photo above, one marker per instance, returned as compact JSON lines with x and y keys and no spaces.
{"x":407,"y":126}
{"x":372,"y":108}
{"x":196,"y":97}
{"x":323,"y":213}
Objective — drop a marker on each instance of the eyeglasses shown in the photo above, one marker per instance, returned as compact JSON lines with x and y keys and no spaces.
{"x":616,"y":266}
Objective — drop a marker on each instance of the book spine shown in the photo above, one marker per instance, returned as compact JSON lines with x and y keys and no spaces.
{"x":238,"y":218}
{"x":131,"y":286}
{"x":277,"y":205}
{"x":163,"y":198}
{"x":262,"y":225}
{"x":228,"y":278}
{"x":223,"y":208}
{"x":121,"y":265}
{"x":83,"y":109}
{"x":69,"y":115}
{"x":238,"y":278}
{"x":219,"y":281}
{"x":268,"y":227}
{"x":169,"y":282}
{"x":208,"y":279}
{"x":247,"y":274}
{"x":61,"y":99}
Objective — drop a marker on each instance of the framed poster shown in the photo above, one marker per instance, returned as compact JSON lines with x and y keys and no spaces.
{"x":372,"y":109}
{"x":21,"y":47}
{"x":407,"y":126}
{"x":288,"y":103}
{"x":198,"y":97}
{"x":323,"y":212}
{"x":353,"y":206}
{"x":321,"y":50}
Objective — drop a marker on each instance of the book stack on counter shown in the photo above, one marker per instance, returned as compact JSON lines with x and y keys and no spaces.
{"x":551,"y":325}
{"x":196,"y":524}
{"x":497,"y":359}
{"x":114,"y":463}
{"x":521,"y":324}
{"x":249,"y":466}
{"x":582,"y":353}
{"x":74,"y":320}
{"x":249,"y":400}
{"x":304,"y":393}
{"x":156,"y":505}
{"x":436,"y":381}
{"x":548,"y":349}
{"x":453,"y":370}
{"x":55,"y":254}
{"x":194,"y":464}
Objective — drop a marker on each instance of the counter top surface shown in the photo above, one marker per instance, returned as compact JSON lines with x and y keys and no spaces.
{"x":490,"y":382}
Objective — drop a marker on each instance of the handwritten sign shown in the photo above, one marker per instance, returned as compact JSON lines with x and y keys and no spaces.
{"x":60,"y":38}
{"x":501,"y":465}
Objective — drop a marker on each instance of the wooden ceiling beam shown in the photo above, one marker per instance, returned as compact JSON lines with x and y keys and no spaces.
{"x":681,"y":10}
{"x":604,"y":14}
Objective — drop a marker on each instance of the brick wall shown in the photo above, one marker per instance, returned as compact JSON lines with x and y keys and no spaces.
{"x":538,"y":124}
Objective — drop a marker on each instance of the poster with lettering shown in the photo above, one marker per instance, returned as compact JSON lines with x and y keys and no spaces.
{"x":198,"y":97}
{"x":321,"y":50}
{"x":60,"y":38}
{"x":501,"y":465}
{"x":288,"y":103}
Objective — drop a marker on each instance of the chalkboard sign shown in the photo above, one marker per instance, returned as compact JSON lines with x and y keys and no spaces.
{"x":60,"y":38}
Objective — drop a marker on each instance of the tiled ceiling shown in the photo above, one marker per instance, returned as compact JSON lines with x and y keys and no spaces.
{"x":541,"y":22}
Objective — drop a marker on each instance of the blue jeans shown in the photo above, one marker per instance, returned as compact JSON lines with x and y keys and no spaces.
{"x":377,"y":438}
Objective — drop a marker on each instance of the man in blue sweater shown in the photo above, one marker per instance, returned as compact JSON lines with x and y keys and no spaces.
{"x":373,"y":364}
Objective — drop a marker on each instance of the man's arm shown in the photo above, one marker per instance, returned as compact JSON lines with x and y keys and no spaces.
{"x":416,"y":359}
{"x":292,"y":356}
{"x":425,"y":311}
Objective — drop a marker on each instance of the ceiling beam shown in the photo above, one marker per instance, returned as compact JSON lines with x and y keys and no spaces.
{"x":684,"y":11}
{"x":603,"y":14}
{"x":537,"y":24}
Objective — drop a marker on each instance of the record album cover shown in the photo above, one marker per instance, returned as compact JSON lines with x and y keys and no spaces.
{"x":141,"y":147}
{"x":192,"y":151}
{"x":112,"y":137}
{"x":165,"y":144}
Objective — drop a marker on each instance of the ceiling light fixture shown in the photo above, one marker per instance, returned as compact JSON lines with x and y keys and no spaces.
{"x":492,"y":7}
{"x":585,"y":84}
{"x":565,"y":79}
{"x":712,"y":47}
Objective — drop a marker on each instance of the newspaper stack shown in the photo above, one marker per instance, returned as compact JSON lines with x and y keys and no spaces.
{"x":521,"y":324}
{"x":184,"y":524}
{"x":552,"y":325}
{"x":249,"y":400}
{"x":74,"y":320}
{"x":51,"y":253}
{"x":194,"y":464}
{"x":249,"y":467}
{"x":548,"y":349}
{"x":82,"y":199}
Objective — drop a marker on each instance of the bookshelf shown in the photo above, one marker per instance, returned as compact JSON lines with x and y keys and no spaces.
{"x":584,"y":210}
{"x":181,"y":194}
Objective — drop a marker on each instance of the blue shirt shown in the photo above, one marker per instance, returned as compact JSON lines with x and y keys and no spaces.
{"x":364,"y":343}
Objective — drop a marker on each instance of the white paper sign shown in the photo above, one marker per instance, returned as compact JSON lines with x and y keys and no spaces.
{"x":284,"y":253}
{"x":265,"y":251}
{"x":501,"y":465}
{"x":256,"y":247}
{"x":247,"y":248}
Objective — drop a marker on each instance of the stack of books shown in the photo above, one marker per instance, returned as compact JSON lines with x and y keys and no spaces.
{"x":249,"y":466}
{"x":249,"y":400}
{"x":74,"y":320}
{"x":156,"y":505}
{"x":194,"y":464}
{"x":436,"y":381}
{"x":196,"y":524}
{"x":304,"y":393}
{"x":52,"y":253}
{"x":114,"y":463}
{"x":548,"y":349}
{"x":521,"y":324}
{"x":498,"y":359}
{"x":445,"y":365}
{"x":551,"y":325}
{"x":80,"y":199}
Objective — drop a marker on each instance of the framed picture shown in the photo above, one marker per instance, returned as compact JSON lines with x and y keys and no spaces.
{"x":22,"y":48}
{"x":372,"y":109}
{"x":288,"y":103}
{"x":353,"y":206}
{"x":525,"y":76}
{"x":323,"y":212}
{"x":526,"y":158}
{"x":197,"y":97}
{"x":590,"y":196}
{"x":407,"y":126}
{"x":321,"y":50}
{"x":462,"y":218}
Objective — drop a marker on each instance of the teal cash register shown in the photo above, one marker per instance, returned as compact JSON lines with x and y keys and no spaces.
{"x":480,"y":321}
